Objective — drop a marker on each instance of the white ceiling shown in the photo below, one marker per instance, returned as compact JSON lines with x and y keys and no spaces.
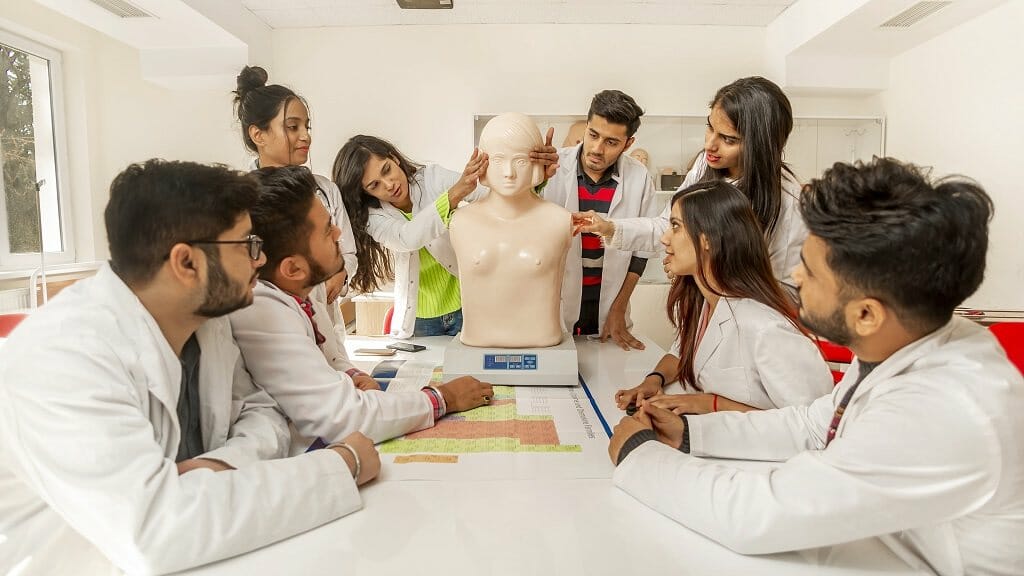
{"x":323,"y":13}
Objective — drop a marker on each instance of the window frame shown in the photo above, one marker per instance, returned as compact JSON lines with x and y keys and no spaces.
{"x":32,"y":261}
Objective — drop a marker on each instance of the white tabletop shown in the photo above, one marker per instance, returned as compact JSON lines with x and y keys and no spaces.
{"x":550,"y":526}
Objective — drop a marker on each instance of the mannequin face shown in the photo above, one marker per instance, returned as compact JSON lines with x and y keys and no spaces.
{"x":640,"y":155}
{"x":509,"y":170}
{"x":384,"y":179}
{"x":575,"y":134}
{"x":507,"y":139}
{"x":723,"y":146}
{"x":680,"y":254}
{"x":287,"y":139}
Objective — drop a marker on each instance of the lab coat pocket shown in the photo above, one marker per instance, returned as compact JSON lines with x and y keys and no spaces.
{"x":733,"y":383}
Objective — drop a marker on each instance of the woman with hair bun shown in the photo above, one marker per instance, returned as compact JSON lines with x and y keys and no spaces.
{"x":276,"y":128}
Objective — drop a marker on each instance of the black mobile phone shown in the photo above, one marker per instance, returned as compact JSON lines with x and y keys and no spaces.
{"x":406,"y":347}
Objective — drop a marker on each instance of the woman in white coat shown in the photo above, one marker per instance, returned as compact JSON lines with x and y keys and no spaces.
{"x":747,"y":130}
{"x":276,"y":128}
{"x":402,"y":208}
{"x":740,"y":345}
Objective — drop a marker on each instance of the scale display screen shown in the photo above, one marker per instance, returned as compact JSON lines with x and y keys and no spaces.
{"x":510,"y":361}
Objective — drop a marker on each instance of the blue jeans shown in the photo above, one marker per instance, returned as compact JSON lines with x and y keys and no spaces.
{"x":444,"y":325}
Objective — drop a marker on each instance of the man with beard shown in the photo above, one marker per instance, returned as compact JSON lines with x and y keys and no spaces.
{"x":280,"y":338}
{"x":919,"y":444}
{"x":130,"y":432}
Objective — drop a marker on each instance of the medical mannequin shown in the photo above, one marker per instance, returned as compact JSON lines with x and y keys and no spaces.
{"x":641,"y":156}
{"x":511,"y":246}
{"x":575,"y":134}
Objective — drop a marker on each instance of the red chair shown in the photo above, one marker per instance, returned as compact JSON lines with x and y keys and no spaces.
{"x":836,"y":354}
{"x":387,"y":320}
{"x":8,"y":322}
{"x":1011,"y":337}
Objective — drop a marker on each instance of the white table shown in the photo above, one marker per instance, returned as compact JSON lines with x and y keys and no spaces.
{"x":559,"y":527}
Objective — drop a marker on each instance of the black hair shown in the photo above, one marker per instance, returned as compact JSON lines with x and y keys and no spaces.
{"x":763,"y":116}
{"x":257,"y":103}
{"x":917,"y":246}
{"x":281,"y":215}
{"x":156,"y":204}
{"x":374,"y":259}
{"x":737,"y":254}
{"x":618,"y":108}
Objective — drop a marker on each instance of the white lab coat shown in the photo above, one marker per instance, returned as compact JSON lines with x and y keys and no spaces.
{"x":928,"y":454}
{"x":89,"y":432}
{"x":783,"y":246}
{"x":752,"y":354}
{"x":634,"y":197}
{"x":280,"y":352}
{"x":332,"y":348}
{"x":404,"y":238}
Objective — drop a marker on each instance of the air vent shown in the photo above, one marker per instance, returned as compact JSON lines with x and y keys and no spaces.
{"x":913,"y":15}
{"x":122,"y":9}
{"x":425,"y":4}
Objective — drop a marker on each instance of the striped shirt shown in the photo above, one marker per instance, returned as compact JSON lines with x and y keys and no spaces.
{"x":597,"y":196}
{"x":439,"y":290}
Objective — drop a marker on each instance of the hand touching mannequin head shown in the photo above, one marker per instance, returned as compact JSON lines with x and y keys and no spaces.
{"x":508,"y":139}
{"x":510,"y":244}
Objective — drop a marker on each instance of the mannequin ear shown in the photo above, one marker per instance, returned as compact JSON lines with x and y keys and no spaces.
{"x":538,"y":174}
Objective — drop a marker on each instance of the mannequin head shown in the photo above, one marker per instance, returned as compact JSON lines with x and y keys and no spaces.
{"x":641,"y":156}
{"x":508,"y":139}
{"x":575,"y":134}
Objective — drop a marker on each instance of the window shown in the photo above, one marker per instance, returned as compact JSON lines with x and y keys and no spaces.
{"x":33,"y":206}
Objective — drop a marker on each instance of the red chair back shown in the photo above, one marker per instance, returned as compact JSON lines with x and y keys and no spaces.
{"x":387,"y":320}
{"x":8,"y":322}
{"x":1011,"y":337}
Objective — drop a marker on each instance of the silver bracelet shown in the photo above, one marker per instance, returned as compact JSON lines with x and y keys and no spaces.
{"x":355,"y":456}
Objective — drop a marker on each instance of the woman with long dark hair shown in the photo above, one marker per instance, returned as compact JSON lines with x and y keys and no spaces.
{"x":399,"y":207}
{"x":747,"y":128}
{"x":740,"y":345}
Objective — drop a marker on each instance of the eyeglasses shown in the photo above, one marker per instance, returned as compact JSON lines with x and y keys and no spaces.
{"x":255,"y":244}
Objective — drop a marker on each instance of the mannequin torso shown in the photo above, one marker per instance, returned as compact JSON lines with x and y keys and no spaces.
{"x":511,"y":254}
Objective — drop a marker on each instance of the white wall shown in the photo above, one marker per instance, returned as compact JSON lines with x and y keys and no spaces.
{"x":114,"y":117}
{"x":416,"y":85}
{"x":420,"y":85}
{"x":955,"y":103}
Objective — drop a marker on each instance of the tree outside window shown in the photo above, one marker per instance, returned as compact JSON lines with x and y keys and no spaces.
{"x":17,"y":146}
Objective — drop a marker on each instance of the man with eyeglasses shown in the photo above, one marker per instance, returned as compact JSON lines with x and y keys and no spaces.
{"x":130,"y":431}
{"x":280,"y":335}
